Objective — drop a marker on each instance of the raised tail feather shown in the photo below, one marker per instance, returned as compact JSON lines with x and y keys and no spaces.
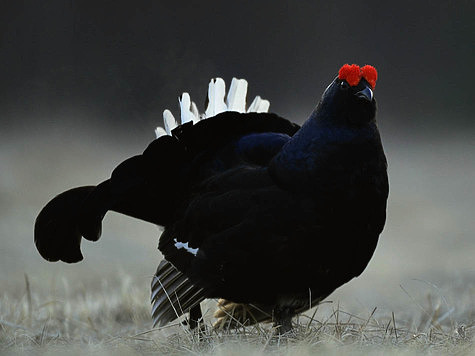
{"x":217,"y":102}
{"x":57,"y":233}
{"x":172,"y":294}
{"x":131,"y":190}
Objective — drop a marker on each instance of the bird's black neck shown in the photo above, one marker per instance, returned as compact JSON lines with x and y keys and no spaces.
{"x":322,"y":155}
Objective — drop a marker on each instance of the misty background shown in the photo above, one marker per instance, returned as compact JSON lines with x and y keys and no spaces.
{"x":83,"y":85}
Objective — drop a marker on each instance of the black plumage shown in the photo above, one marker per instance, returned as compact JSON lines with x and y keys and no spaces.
{"x":269,"y":216}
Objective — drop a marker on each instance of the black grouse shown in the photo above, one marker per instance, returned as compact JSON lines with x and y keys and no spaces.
{"x":266,"y":215}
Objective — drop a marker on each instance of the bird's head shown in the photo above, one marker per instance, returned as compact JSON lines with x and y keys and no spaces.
{"x":349,"y":98}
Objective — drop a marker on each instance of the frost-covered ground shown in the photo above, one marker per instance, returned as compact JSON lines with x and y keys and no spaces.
{"x":423,"y":270}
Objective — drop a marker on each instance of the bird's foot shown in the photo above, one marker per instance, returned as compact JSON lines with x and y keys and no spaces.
{"x":283,"y":319}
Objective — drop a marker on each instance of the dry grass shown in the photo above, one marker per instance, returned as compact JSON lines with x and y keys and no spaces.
{"x":113,"y":318}
{"x":428,"y":235}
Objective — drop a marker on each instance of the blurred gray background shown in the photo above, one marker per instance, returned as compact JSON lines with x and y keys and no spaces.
{"x":83,"y":85}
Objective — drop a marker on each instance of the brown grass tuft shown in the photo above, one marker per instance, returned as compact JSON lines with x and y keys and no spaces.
{"x":114,"y":319}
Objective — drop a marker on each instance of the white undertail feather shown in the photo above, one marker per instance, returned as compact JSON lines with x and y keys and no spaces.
{"x":194,"y":110}
{"x":169,"y":121}
{"x":185,"y":108}
{"x":235,"y":101}
{"x":216,"y":93}
{"x":160,"y":131}
{"x":189,"y":249}
{"x":259,"y":105}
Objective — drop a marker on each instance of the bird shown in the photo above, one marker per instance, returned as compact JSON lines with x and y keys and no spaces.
{"x":265,"y":215}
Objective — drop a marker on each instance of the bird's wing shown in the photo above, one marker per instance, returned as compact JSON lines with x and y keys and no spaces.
{"x":149,"y":186}
{"x":172,"y":294}
{"x":244,"y":230}
{"x":221,"y":129}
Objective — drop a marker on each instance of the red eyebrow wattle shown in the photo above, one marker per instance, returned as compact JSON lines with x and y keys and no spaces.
{"x":370,"y":74}
{"x":353,"y":74}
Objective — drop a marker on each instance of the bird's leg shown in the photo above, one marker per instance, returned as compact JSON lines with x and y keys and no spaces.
{"x":283,"y":319}
{"x":195,"y":316}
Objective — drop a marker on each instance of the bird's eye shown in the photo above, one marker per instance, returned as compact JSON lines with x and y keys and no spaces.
{"x":344,"y":85}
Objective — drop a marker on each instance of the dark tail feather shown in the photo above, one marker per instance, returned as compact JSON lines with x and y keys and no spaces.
{"x":172,"y":294}
{"x":138,"y":187}
{"x":57,"y":235}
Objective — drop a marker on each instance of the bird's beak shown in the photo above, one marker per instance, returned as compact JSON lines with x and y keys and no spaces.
{"x":366,"y":94}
